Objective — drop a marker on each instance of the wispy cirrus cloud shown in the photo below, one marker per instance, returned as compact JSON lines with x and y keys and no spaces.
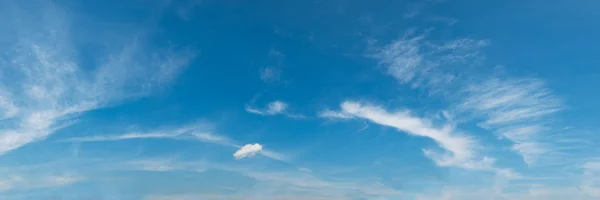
{"x":426,"y":64}
{"x":127,"y":136}
{"x":195,"y":130}
{"x":45,"y":86}
{"x":161,"y":165}
{"x":461,"y":149}
{"x":273,"y":108}
{"x":518,"y":109}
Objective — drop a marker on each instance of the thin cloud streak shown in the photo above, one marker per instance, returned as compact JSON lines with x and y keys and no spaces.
{"x":195,"y":130}
{"x":18,"y":182}
{"x":188,"y":132}
{"x":273,"y":108}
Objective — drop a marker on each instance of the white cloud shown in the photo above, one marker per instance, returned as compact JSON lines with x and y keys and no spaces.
{"x":270,"y":74}
{"x":511,"y":100}
{"x":518,"y":109}
{"x":274,"y":108}
{"x":44,"y":86}
{"x":420,"y":63}
{"x":461,"y":149}
{"x":126,"y":136}
{"x":248,"y":150}
{"x":194,"y":129}
{"x":197,"y":130}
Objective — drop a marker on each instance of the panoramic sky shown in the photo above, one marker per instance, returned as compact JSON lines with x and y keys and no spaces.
{"x":299,"y":100}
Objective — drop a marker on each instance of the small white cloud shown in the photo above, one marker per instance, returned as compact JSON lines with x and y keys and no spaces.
{"x":274,"y":108}
{"x":248,"y":150}
{"x":270,"y":74}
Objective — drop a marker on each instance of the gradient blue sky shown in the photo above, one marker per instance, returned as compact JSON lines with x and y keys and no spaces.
{"x":299,"y":100}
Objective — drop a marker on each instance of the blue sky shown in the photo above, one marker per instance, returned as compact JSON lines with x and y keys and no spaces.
{"x":290,"y":100}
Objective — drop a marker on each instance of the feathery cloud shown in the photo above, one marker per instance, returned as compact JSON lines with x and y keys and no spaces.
{"x":460,"y":148}
{"x":273,"y":108}
{"x":518,"y":109}
{"x":414,"y":60}
{"x":45,"y":87}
